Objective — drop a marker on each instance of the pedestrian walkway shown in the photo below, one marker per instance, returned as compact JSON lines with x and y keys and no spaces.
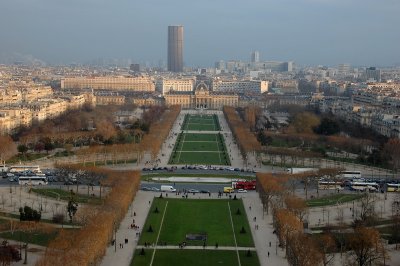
{"x":265,"y":240}
{"x":200,"y":247}
{"x":121,"y":253}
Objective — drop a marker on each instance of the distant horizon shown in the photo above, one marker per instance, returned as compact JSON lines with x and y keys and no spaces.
{"x":308,"y":32}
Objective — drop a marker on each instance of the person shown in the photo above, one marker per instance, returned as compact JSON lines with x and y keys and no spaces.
{"x":268,"y":254}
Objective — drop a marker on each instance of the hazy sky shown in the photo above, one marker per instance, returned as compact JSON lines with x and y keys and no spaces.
{"x":309,"y":32}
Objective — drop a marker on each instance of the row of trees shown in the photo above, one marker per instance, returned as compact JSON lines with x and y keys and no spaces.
{"x":364,"y":245}
{"x":245,"y":139}
{"x":87,"y":245}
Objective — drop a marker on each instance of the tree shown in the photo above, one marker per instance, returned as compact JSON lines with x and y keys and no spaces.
{"x":8,"y":148}
{"x":327,"y":247}
{"x":366,"y":246}
{"x":22,"y":148}
{"x":328,"y":126}
{"x":392,"y":147}
{"x":296,"y":205}
{"x":367,"y":209}
{"x":305,"y":122}
{"x":302,"y":250}
{"x":72,"y":206}
{"x":269,"y":187}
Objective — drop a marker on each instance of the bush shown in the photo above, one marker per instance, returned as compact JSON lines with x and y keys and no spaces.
{"x":248,"y":253}
{"x":243,"y":231}
{"x":58,"y":218}
{"x":150,"y":230}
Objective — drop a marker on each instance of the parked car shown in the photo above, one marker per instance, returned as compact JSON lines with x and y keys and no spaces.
{"x":241,"y":190}
{"x":155,"y":189}
{"x":146,"y":189}
{"x":204,"y":191}
{"x":193,"y":191}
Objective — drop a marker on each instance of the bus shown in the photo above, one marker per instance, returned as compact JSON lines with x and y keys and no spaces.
{"x":330,"y":185}
{"x":32,"y":180}
{"x":350,"y":174}
{"x":365,"y":186}
{"x":24,"y":168}
{"x":392,"y":187}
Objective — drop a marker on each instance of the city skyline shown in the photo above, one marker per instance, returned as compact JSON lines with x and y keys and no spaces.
{"x":309,"y":32}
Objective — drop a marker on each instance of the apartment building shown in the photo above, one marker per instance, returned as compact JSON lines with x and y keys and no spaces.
{"x":109,"y":83}
{"x":240,"y":86}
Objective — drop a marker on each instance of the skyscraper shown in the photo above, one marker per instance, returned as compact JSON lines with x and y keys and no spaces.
{"x":255,"y":57}
{"x":175,"y":48}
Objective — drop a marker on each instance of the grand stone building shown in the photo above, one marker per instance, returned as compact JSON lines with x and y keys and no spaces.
{"x":201,"y":98}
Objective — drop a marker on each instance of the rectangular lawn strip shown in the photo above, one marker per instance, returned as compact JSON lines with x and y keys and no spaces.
{"x":333,"y":199}
{"x":199,"y":137}
{"x":201,"y":123}
{"x":200,"y":149}
{"x":240,"y":220}
{"x":200,"y":146}
{"x":191,"y":216}
{"x":61,"y":194}
{"x":201,"y":158}
{"x":153,"y":219}
{"x":37,"y":238}
{"x":182,"y":257}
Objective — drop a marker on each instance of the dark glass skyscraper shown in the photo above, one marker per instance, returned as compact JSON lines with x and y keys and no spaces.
{"x":175,"y":48}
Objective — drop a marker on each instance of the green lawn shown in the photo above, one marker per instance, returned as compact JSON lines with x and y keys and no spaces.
{"x":65,"y":195}
{"x":38,"y":238}
{"x":201,"y":123}
{"x":333,"y":199}
{"x":185,"y":216}
{"x":182,"y":257}
{"x":200,"y":149}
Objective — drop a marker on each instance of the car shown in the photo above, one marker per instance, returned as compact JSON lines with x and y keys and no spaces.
{"x":155,"y":189}
{"x":145,"y":169}
{"x":146,"y":189}
{"x":183,"y":167}
{"x":236,"y":169}
{"x":193,"y":191}
{"x":241,"y":190}
{"x":68,"y":183}
{"x":204,"y":191}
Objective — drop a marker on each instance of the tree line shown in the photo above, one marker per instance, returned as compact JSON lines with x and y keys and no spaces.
{"x":87,"y":245}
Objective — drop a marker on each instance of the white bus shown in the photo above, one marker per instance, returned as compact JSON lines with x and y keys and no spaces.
{"x":330,"y":185}
{"x":32,"y":180}
{"x":350,"y":174}
{"x":365,"y":186}
{"x":393,"y":187}
{"x":24,"y":168}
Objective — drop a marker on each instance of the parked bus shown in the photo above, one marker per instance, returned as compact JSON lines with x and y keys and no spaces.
{"x":391,"y":187}
{"x":32,"y":180}
{"x":330,"y":185}
{"x":350,"y":174}
{"x":365,"y":186}
{"x":24,"y":168}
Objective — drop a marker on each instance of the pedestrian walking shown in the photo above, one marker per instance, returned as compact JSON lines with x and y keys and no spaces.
{"x":268,"y":254}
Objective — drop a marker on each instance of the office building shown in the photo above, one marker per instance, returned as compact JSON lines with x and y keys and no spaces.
{"x":175,"y":48}
{"x":255,"y":57}
{"x":373,"y":74}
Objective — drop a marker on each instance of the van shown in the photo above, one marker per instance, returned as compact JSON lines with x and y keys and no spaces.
{"x":165,"y":188}
{"x":228,"y":189}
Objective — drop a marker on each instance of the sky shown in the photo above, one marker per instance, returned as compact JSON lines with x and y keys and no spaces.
{"x":308,"y":32}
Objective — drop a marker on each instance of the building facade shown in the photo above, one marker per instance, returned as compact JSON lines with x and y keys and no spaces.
{"x":201,"y":98}
{"x":109,"y":83}
{"x":175,"y":48}
{"x":240,"y":86}
{"x":184,"y":84}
